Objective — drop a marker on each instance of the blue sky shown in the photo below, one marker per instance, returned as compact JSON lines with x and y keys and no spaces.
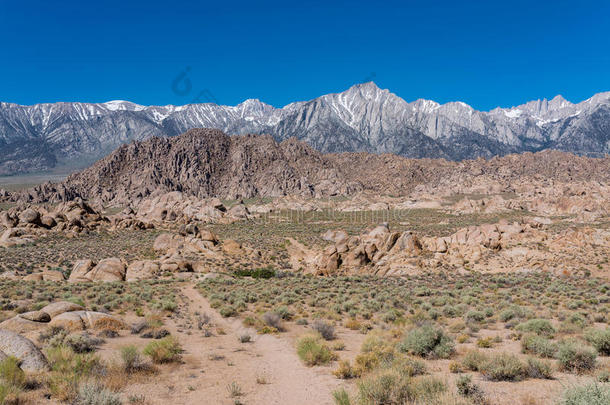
{"x":487,"y":54}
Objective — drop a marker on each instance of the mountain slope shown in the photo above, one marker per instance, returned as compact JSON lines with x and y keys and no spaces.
{"x":209,"y":163}
{"x":362,"y":118}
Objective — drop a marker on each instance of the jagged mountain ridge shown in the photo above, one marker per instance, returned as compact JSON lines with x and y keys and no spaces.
{"x":362,"y":118}
{"x":208,"y":163}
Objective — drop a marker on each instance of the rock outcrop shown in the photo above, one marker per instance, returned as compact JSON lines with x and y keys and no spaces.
{"x":31,"y":358}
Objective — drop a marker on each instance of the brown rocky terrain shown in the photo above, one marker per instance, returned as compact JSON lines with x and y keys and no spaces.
{"x":207,"y":163}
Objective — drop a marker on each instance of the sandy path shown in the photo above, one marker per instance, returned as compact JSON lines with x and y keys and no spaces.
{"x":212,"y":363}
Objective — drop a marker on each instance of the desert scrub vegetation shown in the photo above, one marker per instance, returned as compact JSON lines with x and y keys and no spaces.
{"x":590,"y":394}
{"x":64,"y":251}
{"x":600,"y":340}
{"x":468,"y":301}
{"x":306,"y":227}
{"x":576,"y":357}
{"x":148,"y":295}
{"x":428,"y":341}
{"x":164,"y":350}
{"x":12,"y":381}
{"x":539,"y":346}
{"x":313,"y":351}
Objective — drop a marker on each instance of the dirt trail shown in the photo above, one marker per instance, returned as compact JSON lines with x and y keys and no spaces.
{"x":267,"y":370}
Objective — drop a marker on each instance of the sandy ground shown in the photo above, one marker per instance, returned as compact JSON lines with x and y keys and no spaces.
{"x":267,"y":369}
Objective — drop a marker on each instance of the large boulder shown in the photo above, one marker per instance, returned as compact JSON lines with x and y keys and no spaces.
{"x":81,"y":320}
{"x":19,"y":324}
{"x":60,"y":307}
{"x":167,"y":242}
{"x":111,"y":269}
{"x":13,"y":344}
{"x":7,"y":220}
{"x":30,"y":216}
{"x":80,"y":270}
{"x":141,"y":270}
{"x":36,"y":316}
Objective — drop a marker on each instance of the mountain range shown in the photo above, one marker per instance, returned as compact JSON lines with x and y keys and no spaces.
{"x":44,"y":137}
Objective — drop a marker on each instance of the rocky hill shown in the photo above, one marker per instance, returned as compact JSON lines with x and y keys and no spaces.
{"x":208,"y":163}
{"x":362,"y":118}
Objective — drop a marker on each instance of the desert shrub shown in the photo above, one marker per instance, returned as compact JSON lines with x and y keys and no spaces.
{"x":9,"y":394}
{"x":455,"y":367}
{"x":591,"y":394}
{"x":428,"y":341}
{"x":539,"y":346}
{"x":511,"y":313}
{"x":284,"y":312}
{"x":68,"y":369}
{"x":227,"y":311}
{"x":576,"y":358}
{"x":96,"y":394}
{"x":263,"y":272}
{"x":313,"y":352}
{"x":485,"y":343}
{"x":474,"y":360}
{"x":537,"y":368}
{"x":46,"y":335}
{"x":341,"y":397}
{"x":272,"y":320}
{"x":540,"y":327}
{"x":344,"y":370}
{"x":131,"y":358}
{"x":165,"y":350}
{"x":466,"y":388}
{"x":409,"y":366}
{"x":600,"y":339}
{"x":503,"y":367}
{"x":475,"y":316}
{"x":82,"y":343}
{"x":10,"y":373}
{"x":326,"y":330}
{"x":387,"y":386}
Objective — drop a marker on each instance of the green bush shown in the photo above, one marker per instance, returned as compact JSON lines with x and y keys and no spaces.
{"x":474,"y":360}
{"x":313,"y":352}
{"x":11,"y":374}
{"x":539,"y":346}
{"x":475,"y":316}
{"x":537,"y":368}
{"x":132,"y":361}
{"x":263,"y":272}
{"x":503,"y":367}
{"x":165,"y":350}
{"x":428,"y":341}
{"x":540,"y":327}
{"x":600,"y":339}
{"x":341,"y":397}
{"x":591,"y":394}
{"x":576,"y":357}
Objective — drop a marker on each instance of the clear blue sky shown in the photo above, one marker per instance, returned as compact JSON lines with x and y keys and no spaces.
{"x":485,"y":53}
